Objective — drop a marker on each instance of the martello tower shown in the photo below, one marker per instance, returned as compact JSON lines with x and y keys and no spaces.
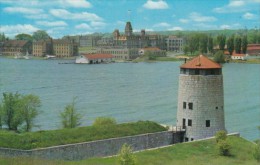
{"x":200,"y":98}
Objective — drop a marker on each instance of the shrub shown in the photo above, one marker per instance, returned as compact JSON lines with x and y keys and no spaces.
{"x":221,"y":136}
{"x":126,"y":156}
{"x":103,"y":121}
{"x":256,"y":153}
{"x":224,"y":148}
{"x":219,"y":57}
{"x":70,"y":118}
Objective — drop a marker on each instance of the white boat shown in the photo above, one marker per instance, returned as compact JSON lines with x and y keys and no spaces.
{"x":49,"y":57}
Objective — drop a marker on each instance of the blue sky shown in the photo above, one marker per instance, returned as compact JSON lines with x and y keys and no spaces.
{"x":74,"y":17}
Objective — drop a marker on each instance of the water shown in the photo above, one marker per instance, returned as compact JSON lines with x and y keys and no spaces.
{"x":127,"y":91}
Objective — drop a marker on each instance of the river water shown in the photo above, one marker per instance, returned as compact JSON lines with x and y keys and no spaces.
{"x":127,"y":91}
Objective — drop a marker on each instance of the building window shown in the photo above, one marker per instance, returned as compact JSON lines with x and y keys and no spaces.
{"x":216,"y":107}
{"x":189,"y":122}
{"x":184,"y":105}
{"x":186,"y":139}
{"x":207,"y":123}
{"x":190,"y":106}
{"x":191,"y":139}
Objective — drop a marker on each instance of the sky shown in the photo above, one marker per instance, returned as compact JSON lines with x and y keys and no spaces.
{"x":79,"y":17}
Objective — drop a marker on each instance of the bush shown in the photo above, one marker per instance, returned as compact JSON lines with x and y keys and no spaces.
{"x":257,"y":152}
{"x":221,"y":136}
{"x":219,"y":57}
{"x":103,"y":121}
{"x":126,"y":156}
{"x":224,"y":148}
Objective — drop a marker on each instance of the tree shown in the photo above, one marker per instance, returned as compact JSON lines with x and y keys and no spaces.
{"x":23,"y":36}
{"x":11,"y":110}
{"x":244,"y":44}
{"x":203,"y":43}
{"x":70,"y":117}
{"x":224,"y":148}
{"x":29,"y":109}
{"x":103,"y":121}
{"x":230,"y":45}
{"x":210,"y":44}
{"x":126,"y":156}
{"x":238,"y":44}
{"x":2,"y":37}
{"x":219,"y":57}
{"x":221,"y":135}
{"x":222,"y":144}
{"x":40,"y":35}
{"x":221,"y":41}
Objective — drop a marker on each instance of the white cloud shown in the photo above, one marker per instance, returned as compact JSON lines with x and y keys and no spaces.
{"x":51,"y":24}
{"x":175,"y":28}
{"x":64,"y":14}
{"x":120,"y":23}
{"x":184,"y":20}
{"x":249,"y":16}
{"x":206,"y":26}
{"x":49,"y":3}
{"x":37,"y":16}
{"x":12,"y":30}
{"x":197,"y":17}
{"x":225,"y":27}
{"x":236,"y":3}
{"x":162,"y":24}
{"x":77,"y":3}
{"x":150,"y":4}
{"x":83,"y":26}
{"x":22,"y":10}
{"x":236,"y":6}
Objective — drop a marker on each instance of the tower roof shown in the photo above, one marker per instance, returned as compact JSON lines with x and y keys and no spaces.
{"x":201,"y":62}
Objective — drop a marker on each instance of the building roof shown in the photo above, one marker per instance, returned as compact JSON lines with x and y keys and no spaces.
{"x":239,"y":55}
{"x":98,"y":56}
{"x":201,"y":62}
{"x":15,"y":43}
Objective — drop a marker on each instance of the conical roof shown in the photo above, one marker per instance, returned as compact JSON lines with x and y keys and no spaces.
{"x":201,"y":62}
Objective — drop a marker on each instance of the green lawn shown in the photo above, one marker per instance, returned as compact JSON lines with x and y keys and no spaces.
{"x":195,"y":153}
{"x":40,"y":139}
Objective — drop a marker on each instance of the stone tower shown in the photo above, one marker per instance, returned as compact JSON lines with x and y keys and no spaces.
{"x":200,"y":98}
{"x":128,"y":29}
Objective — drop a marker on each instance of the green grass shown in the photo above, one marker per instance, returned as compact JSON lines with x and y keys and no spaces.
{"x":76,"y":135}
{"x":145,"y":58}
{"x":195,"y":153}
{"x":248,"y":61}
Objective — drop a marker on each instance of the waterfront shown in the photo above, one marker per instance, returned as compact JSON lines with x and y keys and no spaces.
{"x":127,"y":91}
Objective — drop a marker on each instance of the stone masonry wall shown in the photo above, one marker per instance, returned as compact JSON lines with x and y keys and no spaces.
{"x":100,"y":148}
{"x":206,"y":95}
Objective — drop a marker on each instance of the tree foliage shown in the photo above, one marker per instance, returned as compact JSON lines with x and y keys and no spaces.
{"x":2,"y":37}
{"x":210,"y":44}
{"x":244,"y":43}
{"x":70,"y":118}
{"x":40,"y":35}
{"x":230,"y":44}
{"x":238,"y":44}
{"x":221,"y":39}
{"x":23,"y":36}
{"x":126,"y":156}
{"x":219,"y":57}
{"x":29,"y":110}
{"x":19,"y":109}
{"x":103,"y":121}
{"x":223,"y":146}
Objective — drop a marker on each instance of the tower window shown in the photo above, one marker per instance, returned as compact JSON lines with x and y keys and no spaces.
{"x":184,"y":105}
{"x":190,"y":106}
{"x":189,"y":122}
{"x":216,"y":107}
{"x":207,"y":123}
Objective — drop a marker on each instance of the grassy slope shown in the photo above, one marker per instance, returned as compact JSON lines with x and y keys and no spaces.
{"x":196,"y":153}
{"x":82,"y":134}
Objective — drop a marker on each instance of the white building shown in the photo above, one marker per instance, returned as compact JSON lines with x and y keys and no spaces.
{"x":238,"y":57}
{"x":94,"y":58}
{"x":200,"y":99}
